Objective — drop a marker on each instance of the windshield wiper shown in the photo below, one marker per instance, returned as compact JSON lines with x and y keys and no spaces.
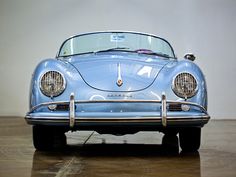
{"x":125,"y":49}
{"x":157,"y":54}
{"x":150,"y":52}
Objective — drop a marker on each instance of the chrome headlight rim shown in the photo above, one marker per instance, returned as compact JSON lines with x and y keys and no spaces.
{"x":62,"y":88}
{"x":181,"y":95}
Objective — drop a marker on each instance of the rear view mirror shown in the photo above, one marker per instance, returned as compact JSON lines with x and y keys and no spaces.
{"x":190,"y":56}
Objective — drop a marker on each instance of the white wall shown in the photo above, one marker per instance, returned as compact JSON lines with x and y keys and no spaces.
{"x":31,"y":30}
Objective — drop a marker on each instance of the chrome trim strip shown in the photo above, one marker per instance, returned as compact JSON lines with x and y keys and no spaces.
{"x":128,"y":118}
{"x":112,"y":119}
{"x":163,"y":110}
{"x":117,"y":101}
{"x":72,"y":110}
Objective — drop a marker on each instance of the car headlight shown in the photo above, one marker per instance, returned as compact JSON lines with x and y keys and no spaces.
{"x":52,"y":83}
{"x":184,"y":85}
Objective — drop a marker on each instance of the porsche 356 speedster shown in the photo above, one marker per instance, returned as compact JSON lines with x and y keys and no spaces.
{"x":117,"y":83}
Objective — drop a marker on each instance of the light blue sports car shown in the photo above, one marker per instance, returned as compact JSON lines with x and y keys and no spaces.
{"x":117,"y":83}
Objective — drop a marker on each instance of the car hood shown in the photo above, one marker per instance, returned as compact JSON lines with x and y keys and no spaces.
{"x":117,"y":72}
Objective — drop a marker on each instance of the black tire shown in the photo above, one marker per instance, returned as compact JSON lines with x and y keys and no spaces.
{"x":170,"y":143}
{"x":190,"y":139}
{"x":47,"y":138}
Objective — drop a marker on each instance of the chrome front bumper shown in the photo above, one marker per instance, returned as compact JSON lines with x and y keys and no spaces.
{"x":71,"y":118}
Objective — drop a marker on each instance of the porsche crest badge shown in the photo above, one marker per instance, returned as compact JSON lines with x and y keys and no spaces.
{"x":119,"y":81}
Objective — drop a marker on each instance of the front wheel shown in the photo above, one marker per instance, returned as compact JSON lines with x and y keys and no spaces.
{"x":190,"y":139}
{"x":48,"y":138}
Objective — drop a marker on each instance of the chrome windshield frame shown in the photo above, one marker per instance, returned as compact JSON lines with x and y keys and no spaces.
{"x":131,"y":32}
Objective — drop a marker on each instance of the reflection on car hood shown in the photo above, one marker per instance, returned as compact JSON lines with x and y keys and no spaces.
{"x":118,"y":72}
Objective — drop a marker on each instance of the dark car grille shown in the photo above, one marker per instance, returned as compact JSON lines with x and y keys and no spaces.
{"x":175,"y":107}
{"x":171,"y":107}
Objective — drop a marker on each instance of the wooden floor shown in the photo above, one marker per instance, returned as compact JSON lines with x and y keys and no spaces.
{"x":92,"y":155}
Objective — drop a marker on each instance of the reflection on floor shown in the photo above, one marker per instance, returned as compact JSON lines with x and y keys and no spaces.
{"x":90,"y":154}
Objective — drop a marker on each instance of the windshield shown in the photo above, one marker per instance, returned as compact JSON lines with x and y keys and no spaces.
{"x":120,"y":41}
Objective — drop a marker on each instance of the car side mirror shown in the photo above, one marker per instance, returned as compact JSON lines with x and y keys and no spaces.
{"x":190,"y":56}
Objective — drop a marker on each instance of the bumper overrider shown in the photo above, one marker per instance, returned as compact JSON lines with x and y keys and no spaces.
{"x":164,"y":118}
